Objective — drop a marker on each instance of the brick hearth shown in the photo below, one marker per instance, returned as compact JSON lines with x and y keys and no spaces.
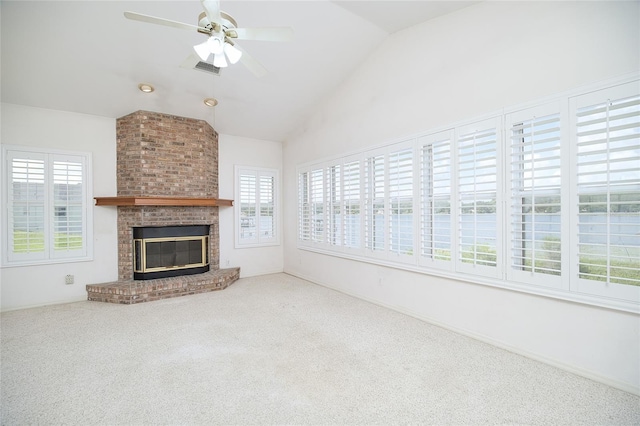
{"x":160,"y":155}
{"x":137,"y":291}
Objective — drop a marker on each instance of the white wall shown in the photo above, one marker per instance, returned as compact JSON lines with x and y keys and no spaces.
{"x":232,"y":151}
{"x":44,"y":284}
{"x":22,"y":287}
{"x":460,"y":66}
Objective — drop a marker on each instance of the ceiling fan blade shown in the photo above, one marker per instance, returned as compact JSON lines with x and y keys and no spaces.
{"x":252,"y":65}
{"x":212,"y":9}
{"x":262,"y":33}
{"x":160,"y":21}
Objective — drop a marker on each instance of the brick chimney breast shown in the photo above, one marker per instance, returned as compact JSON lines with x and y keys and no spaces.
{"x":165,"y":156}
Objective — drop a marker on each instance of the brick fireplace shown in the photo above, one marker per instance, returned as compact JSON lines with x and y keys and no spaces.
{"x":164,"y":157}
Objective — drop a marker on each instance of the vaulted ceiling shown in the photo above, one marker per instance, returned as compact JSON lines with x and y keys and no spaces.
{"x":85,"y":57}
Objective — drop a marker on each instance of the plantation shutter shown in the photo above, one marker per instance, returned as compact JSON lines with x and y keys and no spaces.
{"x":47,"y":208}
{"x":304,"y":207}
{"x":608,"y":190}
{"x":316,"y":194}
{"x":435,"y":220}
{"x":256,"y":216}
{"x":69,"y":213}
{"x":401,"y":202}
{"x":352,"y":207}
{"x":375,"y":217}
{"x":27,"y":198}
{"x":335,"y":205}
{"x":477,"y":148}
{"x":267,"y":214}
{"x":535,"y":203}
{"x":248,"y":207}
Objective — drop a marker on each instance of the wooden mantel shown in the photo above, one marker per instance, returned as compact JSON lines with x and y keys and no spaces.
{"x":161,"y":201}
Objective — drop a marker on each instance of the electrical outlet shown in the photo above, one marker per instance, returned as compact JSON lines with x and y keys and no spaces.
{"x":68,"y":279}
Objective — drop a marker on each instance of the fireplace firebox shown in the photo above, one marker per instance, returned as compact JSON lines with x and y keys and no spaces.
{"x":170,"y":251}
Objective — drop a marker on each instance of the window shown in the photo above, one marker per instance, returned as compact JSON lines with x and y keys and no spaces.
{"x":316,"y":193}
{"x":375,"y":196}
{"x":401,"y":202}
{"x":478,"y":232}
{"x":435,"y":181}
{"x":535,"y":203}
{"x":334,"y":185}
{"x":256,"y":220}
{"x":352,"y":217}
{"x":607,"y":132}
{"x":304,"y":208}
{"x":543,"y":198}
{"x":48,"y":196}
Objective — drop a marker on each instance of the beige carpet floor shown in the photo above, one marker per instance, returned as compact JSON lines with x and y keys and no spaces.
{"x":276,"y":350}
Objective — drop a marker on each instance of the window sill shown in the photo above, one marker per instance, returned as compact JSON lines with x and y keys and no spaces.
{"x":256,"y":245}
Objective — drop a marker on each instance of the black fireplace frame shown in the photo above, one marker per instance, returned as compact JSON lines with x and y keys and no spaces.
{"x":149,"y":234}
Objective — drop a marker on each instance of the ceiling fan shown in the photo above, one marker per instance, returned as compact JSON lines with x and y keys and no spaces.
{"x":222,"y":31}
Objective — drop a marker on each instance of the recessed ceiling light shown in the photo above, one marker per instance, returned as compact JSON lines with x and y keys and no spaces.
{"x":146,"y":88}
{"x":210,"y":102}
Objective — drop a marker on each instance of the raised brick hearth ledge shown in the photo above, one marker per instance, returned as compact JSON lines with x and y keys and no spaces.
{"x":137,"y":291}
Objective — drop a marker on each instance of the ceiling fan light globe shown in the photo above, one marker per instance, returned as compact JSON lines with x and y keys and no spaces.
{"x":202,"y":50}
{"x":216,"y":44}
{"x":219,"y":60}
{"x":233,"y":53}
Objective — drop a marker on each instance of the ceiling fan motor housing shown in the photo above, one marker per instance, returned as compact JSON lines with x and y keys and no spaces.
{"x":227,"y":23}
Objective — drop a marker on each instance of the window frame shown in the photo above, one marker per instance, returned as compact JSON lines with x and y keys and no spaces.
{"x":481,"y":129}
{"x":523,"y":115}
{"x":375,"y":205}
{"x":258,"y":173}
{"x":334,"y":205}
{"x":581,"y":285}
{"x":396,"y":174}
{"x":49,"y":255}
{"x":427,"y":197}
{"x":304,"y":207}
{"x":354,"y":231}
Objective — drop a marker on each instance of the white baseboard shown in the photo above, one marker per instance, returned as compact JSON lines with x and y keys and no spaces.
{"x":39,"y":305}
{"x":257,"y":274}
